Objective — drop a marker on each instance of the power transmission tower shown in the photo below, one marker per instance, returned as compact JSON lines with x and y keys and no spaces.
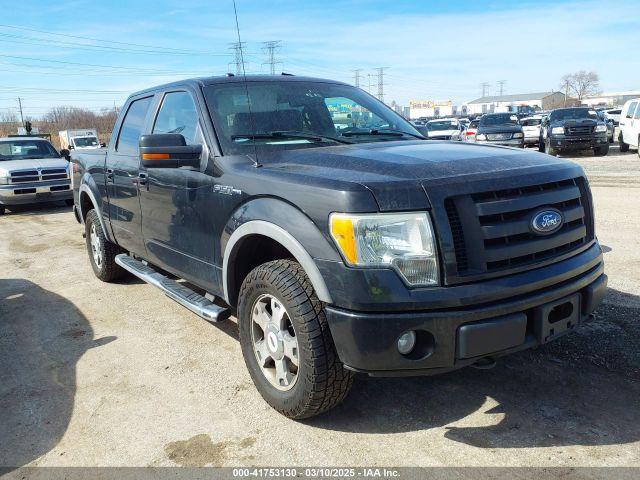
{"x":356,"y":76}
{"x":271,"y":47}
{"x":238,"y":50}
{"x":501,"y":86}
{"x":484,"y":86}
{"x":380,"y":71}
{"x":20,"y":105}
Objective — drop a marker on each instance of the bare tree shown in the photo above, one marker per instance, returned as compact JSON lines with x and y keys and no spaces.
{"x":581,"y":84}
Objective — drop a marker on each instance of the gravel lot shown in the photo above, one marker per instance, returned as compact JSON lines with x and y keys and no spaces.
{"x":95,"y":374}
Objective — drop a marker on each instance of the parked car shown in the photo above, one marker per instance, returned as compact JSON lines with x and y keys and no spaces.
{"x":444,"y":129}
{"x":500,"y":129}
{"x":531,"y":129}
{"x":469,"y":133}
{"x":365,"y":250}
{"x":614,"y":114}
{"x":630,"y":126}
{"x":32,"y":171}
{"x":87,"y":138}
{"x":611,"y":129}
{"x":573,"y":129}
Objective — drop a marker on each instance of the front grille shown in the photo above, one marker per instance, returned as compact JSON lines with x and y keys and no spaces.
{"x":584,"y":130}
{"x":25,"y":176}
{"x":499,"y":136}
{"x":491,"y":230}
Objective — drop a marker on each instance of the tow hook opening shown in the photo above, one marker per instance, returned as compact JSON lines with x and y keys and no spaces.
{"x":485,"y":363}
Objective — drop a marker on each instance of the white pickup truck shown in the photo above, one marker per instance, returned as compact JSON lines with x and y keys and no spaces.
{"x":71,"y":139}
{"x":32,"y":171}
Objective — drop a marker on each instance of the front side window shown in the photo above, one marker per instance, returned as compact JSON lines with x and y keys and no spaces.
{"x":631,"y":109}
{"x":26,"y":149}
{"x":178,"y":114}
{"x":299,"y":114}
{"x":132,"y":126}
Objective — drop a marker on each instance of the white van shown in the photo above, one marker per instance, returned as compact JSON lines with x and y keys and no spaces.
{"x":630,"y":126}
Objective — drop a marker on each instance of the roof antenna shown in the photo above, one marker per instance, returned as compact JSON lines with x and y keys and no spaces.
{"x":246,"y":88}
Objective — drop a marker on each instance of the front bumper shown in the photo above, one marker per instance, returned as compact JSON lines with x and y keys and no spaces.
{"x":35,"y":192}
{"x":450,"y":338}
{"x":587,"y":142}
{"x":514,"y":142}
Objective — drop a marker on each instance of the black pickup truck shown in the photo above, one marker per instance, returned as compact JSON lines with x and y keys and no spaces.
{"x":340,"y":239}
{"x":573,"y":129}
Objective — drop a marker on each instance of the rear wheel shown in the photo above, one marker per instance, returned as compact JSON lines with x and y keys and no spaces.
{"x":624,"y":147}
{"x":286,"y":342}
{"x":601,"y":151}
{"x":102,"y":253}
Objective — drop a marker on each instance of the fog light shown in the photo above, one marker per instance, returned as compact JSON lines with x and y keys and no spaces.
{"x":406,"y":342}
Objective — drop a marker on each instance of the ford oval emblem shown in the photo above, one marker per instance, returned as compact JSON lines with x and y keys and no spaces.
{"x":546,"y":221}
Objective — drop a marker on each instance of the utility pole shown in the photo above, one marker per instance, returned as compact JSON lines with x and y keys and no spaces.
{"x":238,"y":50}
{"x":380,"y":71}
{"x":356,"y":76}
{"x":271,"y":47}
{"x":21,"y":116}
{"x":566,"y":91}
{"x":501,"y":86}
{"x":484,"y":86}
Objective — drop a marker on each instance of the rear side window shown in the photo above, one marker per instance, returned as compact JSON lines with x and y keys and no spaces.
{"x":132,"y":126}
{"x":178,"y":114}
{"x":631,"y":109}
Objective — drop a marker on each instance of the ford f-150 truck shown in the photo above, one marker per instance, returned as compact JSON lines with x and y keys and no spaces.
{"x":358,"y":249}
{"x":573,"y":129}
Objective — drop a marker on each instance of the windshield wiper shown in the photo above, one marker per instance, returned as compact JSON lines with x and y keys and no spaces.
{"x":292,"y":135}
{"x":382,"y":131}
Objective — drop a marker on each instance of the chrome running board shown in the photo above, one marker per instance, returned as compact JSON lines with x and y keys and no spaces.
{"x":180,"y":293}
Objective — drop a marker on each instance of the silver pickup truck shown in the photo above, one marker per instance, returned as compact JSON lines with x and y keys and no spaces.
{"x":32,"y":171}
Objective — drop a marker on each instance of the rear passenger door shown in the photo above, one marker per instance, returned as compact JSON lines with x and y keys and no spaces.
{"x":122,"y":177}
{"x":178,"y":209}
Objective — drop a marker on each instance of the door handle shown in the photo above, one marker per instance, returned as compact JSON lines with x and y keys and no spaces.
{"x":109,"y":174}
{"x":142,"y":179}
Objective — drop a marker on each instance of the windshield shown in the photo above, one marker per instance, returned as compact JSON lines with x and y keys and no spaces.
{"x":572,"y":114}
{"x":530,"y":122}
{"x":442,"y":125}
{"x":25,"y":149}
{"x":292,"y":114}
{"x":498,"y":119}
{"x":81,"y":142}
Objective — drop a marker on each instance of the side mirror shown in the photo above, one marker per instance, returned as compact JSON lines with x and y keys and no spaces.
{"x":168,"y":150}
{"x":71,"y":147}
{"x":66,"y":154}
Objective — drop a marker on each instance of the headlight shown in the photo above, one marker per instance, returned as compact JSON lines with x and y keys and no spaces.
{"x":481,"y":137}
{"x":518,"y":135}
{"x":601,"y":128}
{"x":557,"y":131}
{"x":404,"y":241}
{"x":4,"y":179}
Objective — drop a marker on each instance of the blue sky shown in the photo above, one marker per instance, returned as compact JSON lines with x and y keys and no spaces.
{"x":433,"y":49}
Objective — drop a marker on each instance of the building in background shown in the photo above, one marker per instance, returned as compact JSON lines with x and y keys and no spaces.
{"x":524,"y":102}
{"x":611,"y":99}
{"x":433,"y":109}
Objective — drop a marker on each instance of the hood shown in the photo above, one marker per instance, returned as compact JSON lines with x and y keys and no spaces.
{"x":507,"y":128}
{"x":396,"y":172}
{"x":32,"y":163}
{"x":581,"y":122}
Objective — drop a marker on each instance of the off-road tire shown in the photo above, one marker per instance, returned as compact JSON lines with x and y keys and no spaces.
{"x":638,"y":147}
{"x":2,"y":209}
{"x":601,"y":151}
{"x":624,"y":147}
{"x":109,"y":270}
{"x":322,"y":381}
{"x":69,"y":202}
{"x":541,"y":145}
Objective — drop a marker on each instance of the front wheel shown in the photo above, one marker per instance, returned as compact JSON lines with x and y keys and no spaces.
{"x":102,"y":253}
{"x":69,"y":202}
{"x":601,"y":151}
{"x":286,"y":342}
{"x":2,"y":209}
{"x":624,"y":147}
{"x":548,"y":149}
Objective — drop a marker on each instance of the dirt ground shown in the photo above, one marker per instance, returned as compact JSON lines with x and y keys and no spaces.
{"x":95,"y":374}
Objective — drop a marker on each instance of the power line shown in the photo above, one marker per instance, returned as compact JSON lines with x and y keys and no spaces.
{"x":238,"y":51}
{"x":271,"y":47}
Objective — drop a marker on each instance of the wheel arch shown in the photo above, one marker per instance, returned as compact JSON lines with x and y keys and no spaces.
{"x":87,"y":199}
